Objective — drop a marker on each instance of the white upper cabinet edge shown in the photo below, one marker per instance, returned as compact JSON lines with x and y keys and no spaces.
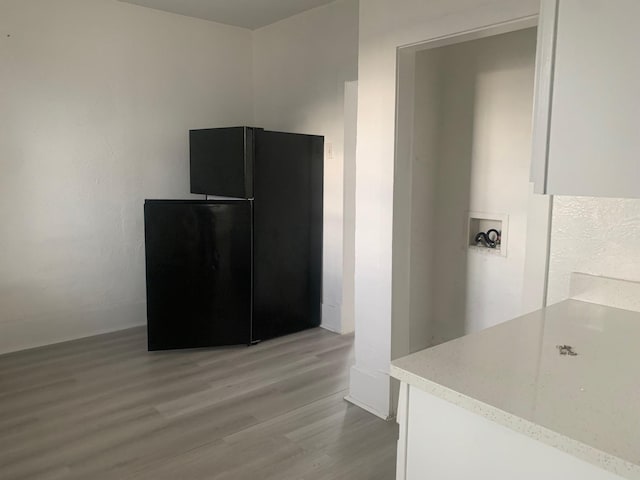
{"x":543,"y":95}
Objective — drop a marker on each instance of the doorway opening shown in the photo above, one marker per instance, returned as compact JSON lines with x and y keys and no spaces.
{"x":464,"y":211}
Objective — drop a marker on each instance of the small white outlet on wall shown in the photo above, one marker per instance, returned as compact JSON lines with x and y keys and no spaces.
{"x":328,"y":150}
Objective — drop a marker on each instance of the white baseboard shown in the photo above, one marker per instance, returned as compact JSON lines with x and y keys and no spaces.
{"x":332,"y":318}
{"x":328,"y":328}
{"x":59,"y":327}
{"x":370,"y":390}
{"x":368,"y":408}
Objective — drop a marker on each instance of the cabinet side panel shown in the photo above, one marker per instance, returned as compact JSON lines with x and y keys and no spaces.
{"x":446,"y":442}
{"x":543,"y":93}
{"x":594,"y":144}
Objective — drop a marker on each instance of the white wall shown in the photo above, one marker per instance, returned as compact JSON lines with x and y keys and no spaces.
{"x":598,"y":236}
{"x":348,"y":320}
{"x":408,"y":151}
{"x":97,"y":98}
{"x":301,"y":65}
{"x":483,"y":166}
{"x":471,"y":152}
{"x":424,"y":229}
{"x":384,"y":26}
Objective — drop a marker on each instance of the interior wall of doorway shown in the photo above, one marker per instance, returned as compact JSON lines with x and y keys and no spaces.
{"x":463,"y":152}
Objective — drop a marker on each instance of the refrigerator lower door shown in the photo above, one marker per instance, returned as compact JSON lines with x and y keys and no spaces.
{"x":287,"y":233}
{"x":199,"y":280}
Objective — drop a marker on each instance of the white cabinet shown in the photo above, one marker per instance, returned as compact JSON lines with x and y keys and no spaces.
{"x":586,"y":138}
{"x":442,"y":441}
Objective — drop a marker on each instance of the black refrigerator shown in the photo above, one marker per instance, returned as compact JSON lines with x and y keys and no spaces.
{"x":246,"y":264}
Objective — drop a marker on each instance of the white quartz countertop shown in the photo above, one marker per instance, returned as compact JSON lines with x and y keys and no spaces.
{"x":587,"y":405}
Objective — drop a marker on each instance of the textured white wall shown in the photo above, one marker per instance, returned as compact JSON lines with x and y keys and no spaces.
{"x":598,"y":236}
{"x":300,"y":66}
{"x":384,"y":26}
{"x":97,"y":98}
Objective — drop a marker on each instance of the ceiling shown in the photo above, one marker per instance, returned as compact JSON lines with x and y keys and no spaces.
{"x":242,"y":13}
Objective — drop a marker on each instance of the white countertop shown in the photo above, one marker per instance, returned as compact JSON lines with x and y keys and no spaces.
{"x":586,"y":405}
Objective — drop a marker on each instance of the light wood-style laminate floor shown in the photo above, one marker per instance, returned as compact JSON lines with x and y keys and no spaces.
{"x":105,"y":408}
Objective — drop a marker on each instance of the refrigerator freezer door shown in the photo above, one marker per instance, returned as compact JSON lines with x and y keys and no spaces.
{"x":198,"y":258}
{"x":221,"y":161}
{"x":287,"y":233}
